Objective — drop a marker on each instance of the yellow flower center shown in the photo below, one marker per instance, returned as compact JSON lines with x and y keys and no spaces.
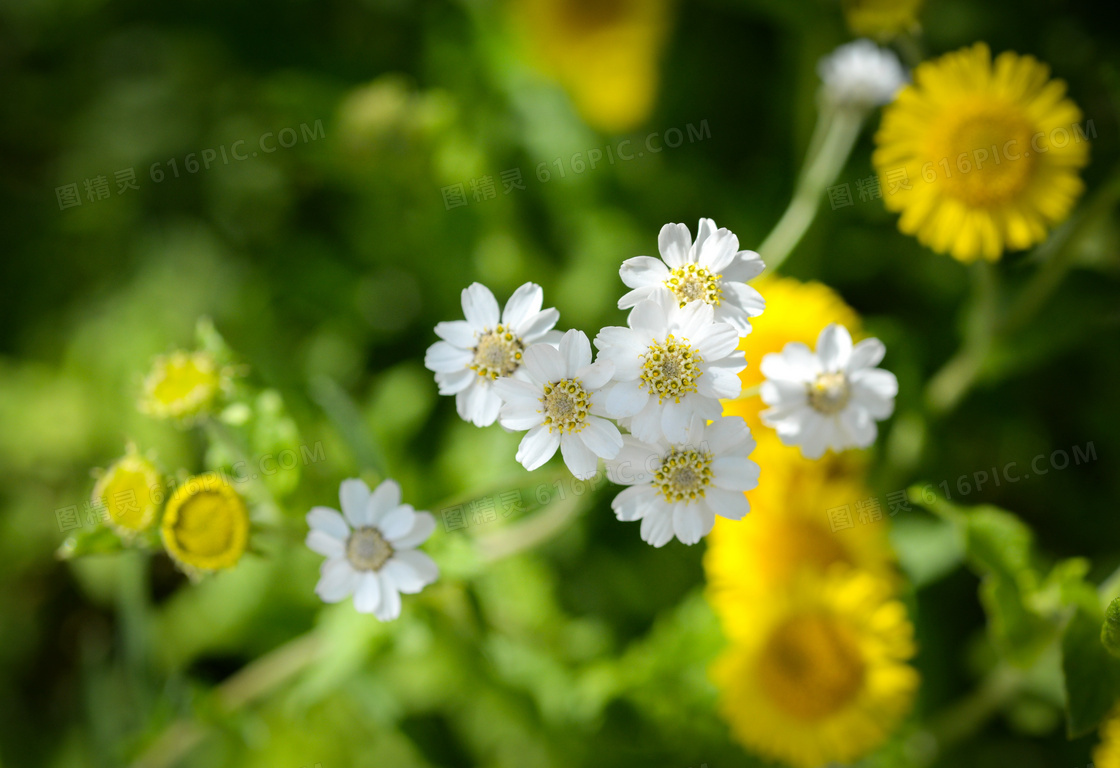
{"x":127,"y":490}
{"x":692,"y":283}
{"x":983,"y":154}
{"x":566,"y":405}
{"x":367,"y":550}
{"x":671,"y":368}
{"x":811,"y":666}
{"x":684,"y":475}
{"x":498,"y":353}
{"x":830,"y":393}
{"x":206,"y":524}
{"x":181,"y":384}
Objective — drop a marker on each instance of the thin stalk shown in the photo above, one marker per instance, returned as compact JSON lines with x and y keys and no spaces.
{"x":821,"y":169}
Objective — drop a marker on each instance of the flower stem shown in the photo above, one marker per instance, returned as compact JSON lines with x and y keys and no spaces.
{"x":957,"y":377}
{"x":826,"y":159}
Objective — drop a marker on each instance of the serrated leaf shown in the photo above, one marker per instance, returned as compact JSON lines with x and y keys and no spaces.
{"x":1092,"y":676}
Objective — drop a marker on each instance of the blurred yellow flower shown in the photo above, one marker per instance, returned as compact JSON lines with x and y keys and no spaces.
{"x":1107,"y":753}
{"x":206,"y":525}
{"x":818,"y":672}
{"x":129,"y":490}
{"x":981,"y":156}
{"x":881,"y":18}
{"x":605,"y":53}
{"x":805,"y":515}
{"x":182,"y":385}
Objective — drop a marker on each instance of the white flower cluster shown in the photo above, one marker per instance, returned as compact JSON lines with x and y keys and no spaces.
{"x":648,"y":405}
{"x":660,"y":379}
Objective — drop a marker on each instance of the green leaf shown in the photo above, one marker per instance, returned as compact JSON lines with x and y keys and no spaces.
{"x":1092,"y":675}
{"x":998,"y":546}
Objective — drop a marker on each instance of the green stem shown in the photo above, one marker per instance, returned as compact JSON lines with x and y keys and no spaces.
{"x":967,"y":716}
{"x":949,"y":385}
{"x":957,"y":377}
{"x":821,"y":169}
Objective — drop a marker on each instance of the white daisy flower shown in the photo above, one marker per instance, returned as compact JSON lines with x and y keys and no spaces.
{"x":830,"y":399}
{"x":371,"y":548}
{"x":671,"y":364}
{"x":478,"y":351}
{"x":561,"y":406}
{"x":861,"y":74}
{"x":712,"y":270}
{"x":677,"y":489}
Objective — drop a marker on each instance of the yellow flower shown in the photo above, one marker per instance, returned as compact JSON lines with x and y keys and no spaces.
{"x":129,"y":490}
{"x":182,"y":385}
{"x":1107,"y":753}
{"x":603,"y":52}
{"x":206,"y":525}
{"x":981,"y":156}
{"x":797,"y":522}
{"x":818,"y":673}
{"x":881,"y":18}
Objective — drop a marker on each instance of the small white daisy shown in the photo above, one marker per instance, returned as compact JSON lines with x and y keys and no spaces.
{"x":561,"y":406}
{"x":478,"y":351}
{"x":677,"y":489}
{"x":861,"y":74}
{"x":712,"y":270}
{"x":830,"y":399}
{"x":671,"y":364}
{"x":371,"y":548}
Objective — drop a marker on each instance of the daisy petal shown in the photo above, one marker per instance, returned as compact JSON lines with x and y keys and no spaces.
{"x":522,"y":305}
{"x":329,"y":521}
{"x":367,"y":597}
{"x":538,"y":446}
{"x":326,"y":545}
{"x":385,"y":499}
{"x":581,"y":460}
{"x":834,"y":347}
{"x":390,"y":607}
{"x":411,"y":570}
{"x":423,"y":525}
{"x":337,"y":581}
{"x":480,"y":307}
{"x":353,"y":495}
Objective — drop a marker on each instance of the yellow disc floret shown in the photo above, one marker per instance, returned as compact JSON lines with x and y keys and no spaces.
{"x":498,"y":353}
{"x":206,"y":524}
{"x":129,"y":491}
{"x":670,"y":368}
{"x":182,"y":385}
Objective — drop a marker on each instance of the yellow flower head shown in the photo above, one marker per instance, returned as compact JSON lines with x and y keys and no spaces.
{"x":130,"y":490}
{"x":881,"y":18}
{"x":603,"y":52}
{"x":981,"y":156}
{"x":182,"y":385}
{"x":805,"y":515}
{"x":819,"y":672}
{"x":206,"y":524}
{"x":1107,"y":753}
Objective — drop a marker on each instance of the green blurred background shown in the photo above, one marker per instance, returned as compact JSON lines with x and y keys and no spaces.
{"x":325,"y":265}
